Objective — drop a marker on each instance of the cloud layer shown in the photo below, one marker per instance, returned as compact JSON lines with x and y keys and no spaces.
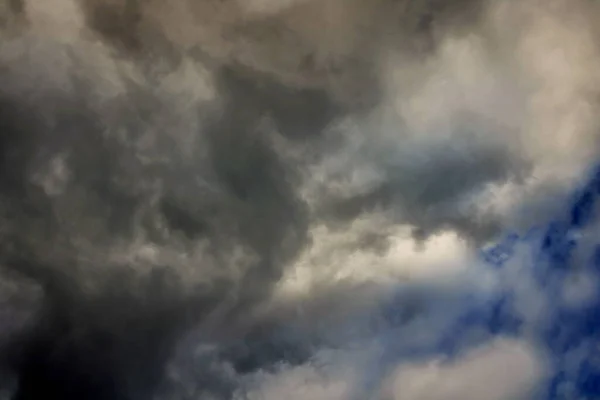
{"x":227,"y":199}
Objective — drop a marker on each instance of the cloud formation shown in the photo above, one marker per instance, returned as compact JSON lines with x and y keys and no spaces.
{"x":208,"y":198}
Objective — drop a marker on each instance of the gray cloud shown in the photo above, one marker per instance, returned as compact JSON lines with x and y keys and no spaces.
{"x":166,"y":168}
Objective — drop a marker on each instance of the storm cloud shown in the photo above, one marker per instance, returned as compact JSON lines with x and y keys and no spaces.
{"x":202,"y":198}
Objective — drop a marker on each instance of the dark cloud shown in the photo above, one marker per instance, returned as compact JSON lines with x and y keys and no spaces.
{"x":117,"y":22}
{"x":148,"y":207}
{"x":113,"y":340}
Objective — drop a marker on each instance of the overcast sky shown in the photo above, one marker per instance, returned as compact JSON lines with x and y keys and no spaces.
{"x":252,"y":199}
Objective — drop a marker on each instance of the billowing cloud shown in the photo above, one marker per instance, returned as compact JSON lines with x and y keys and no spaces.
{"x":502,"y":370}
{"x":209,"y":198}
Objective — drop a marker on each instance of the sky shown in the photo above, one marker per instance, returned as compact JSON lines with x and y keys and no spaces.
{"x":316,"y":199}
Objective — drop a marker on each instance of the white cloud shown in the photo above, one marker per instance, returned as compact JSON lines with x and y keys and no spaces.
{"x":346,"y":257}
{"x":302,"y":383}
{"x":503,"y":370}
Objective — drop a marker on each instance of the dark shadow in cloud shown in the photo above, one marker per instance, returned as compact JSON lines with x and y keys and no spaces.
{"x":298,"y":113}
{"x":110,"y":344}
{"x":426,"y":191}
{"x":113,"y":342}
{"x":116,"y":21}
